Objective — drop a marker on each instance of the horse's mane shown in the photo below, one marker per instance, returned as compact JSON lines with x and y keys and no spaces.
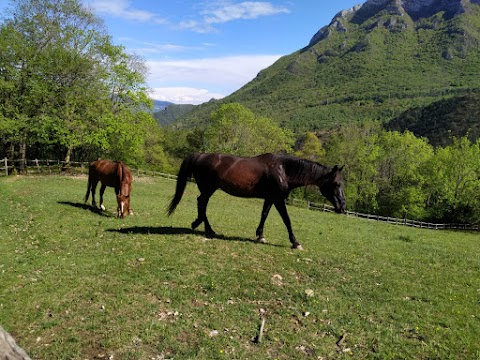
{"x":302,"y":170}
{"x":122,"y":171}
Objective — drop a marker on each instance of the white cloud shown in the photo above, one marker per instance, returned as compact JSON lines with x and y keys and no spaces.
{"x":184,"y":95}
{"x":225,"y":12}
{"x":221,"y":76}
{"x":215,"y":12}
{"x":151,"y":49}
{"x":123,"y":9}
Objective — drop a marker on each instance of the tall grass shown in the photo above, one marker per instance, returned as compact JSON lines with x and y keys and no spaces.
{"x":79,"y":284}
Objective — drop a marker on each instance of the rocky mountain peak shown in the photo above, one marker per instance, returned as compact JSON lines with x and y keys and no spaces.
{"x":415,"y":9}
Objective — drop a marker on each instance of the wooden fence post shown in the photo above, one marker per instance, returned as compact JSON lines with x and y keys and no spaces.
{"x":6,"y":166}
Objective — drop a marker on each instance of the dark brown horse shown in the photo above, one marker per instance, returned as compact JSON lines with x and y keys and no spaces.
{"x":270,"y":177}
{"x":113,"y":174}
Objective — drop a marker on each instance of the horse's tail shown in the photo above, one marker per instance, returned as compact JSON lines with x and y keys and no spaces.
{"x":182,"y":178}
{"x":85,"y":199}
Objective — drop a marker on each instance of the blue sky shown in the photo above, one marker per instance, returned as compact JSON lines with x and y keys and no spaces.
{"x":198,"y":50}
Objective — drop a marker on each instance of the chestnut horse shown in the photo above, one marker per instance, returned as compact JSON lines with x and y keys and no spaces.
{"x":269,"y":177}
{"x":113,"y":174}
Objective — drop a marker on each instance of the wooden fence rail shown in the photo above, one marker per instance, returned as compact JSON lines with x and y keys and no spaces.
{"x":39,"y":166}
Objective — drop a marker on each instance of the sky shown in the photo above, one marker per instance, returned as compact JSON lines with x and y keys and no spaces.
{"x":197,"y":50}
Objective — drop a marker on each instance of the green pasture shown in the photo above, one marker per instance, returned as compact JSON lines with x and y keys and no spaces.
{"x":79,"y":284}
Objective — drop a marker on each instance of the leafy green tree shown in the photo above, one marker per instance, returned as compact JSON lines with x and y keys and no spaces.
{"x":356,"y":146}
{"x":21,"y":89}
{"x":234,"y":129}
{"x":64,"y":81}
{"x":310,"y":148}
{"x":402,"y":174}
{"x":455,"y":182}
{"x":154,"y":151}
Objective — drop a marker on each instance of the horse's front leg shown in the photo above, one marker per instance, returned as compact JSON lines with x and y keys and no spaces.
{"x":130,"y":211}
{"x":282,"y":209}
{"x":120,"y":203}
{"x":267,"y":205}
{"x":102,"y":190}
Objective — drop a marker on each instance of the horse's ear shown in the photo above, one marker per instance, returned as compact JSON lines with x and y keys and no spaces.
{"x":337,"y":168}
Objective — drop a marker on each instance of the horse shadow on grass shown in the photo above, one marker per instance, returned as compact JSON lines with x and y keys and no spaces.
{"x":87,"y":207}
{"x":169,"y":230}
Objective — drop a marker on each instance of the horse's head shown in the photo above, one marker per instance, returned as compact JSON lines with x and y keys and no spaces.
{"x":123,"y":199}
{"x":332,"y":188}
{"x":123,"y":202}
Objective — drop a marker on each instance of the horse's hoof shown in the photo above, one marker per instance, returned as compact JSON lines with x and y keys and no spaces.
{"x":102,"y":207}
{"x":297,"y":247}
{"x":195,"y":224}
{"x":262,"y":240}
{"x":210,"y":235}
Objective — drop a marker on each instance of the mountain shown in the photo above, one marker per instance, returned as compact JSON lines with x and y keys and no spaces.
{"x":160,"y":105}
{"x":456,"y":116}
{"x":374,"y":61}
{"x":172,"y":112}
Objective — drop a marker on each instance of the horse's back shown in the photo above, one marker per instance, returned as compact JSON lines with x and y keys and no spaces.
{"x":104,"y":171}
{"x":238,"y":176}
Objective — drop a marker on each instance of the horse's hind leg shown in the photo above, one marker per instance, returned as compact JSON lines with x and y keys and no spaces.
{"x":267,"y":205}
{"x":93,"y":189}
{"x":202,"y":202}
{"x":282,"y":210}
{"x":102,"y":190}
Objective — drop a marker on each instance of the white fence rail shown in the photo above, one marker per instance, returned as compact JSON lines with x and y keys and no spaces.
{"x":41,"y":166}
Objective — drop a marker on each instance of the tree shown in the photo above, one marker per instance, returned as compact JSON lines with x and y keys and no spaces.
{"x":66,"y":81}
{"x":154,"y":154}
{"x":356,"y":146}
{"x":19,"y":101}
{"x":310,"y":148}
{"x":234,"y":129}
{"x":455,"y":182}
{"x":402,"y":174}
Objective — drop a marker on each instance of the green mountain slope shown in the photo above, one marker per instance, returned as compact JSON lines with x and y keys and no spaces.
{"x":373,"y":61}
{"x":456,"y":116}
{"x":171,"y":112}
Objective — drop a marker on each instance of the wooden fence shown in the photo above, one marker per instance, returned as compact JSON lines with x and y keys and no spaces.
{"x":387,"y":219}
{"x":51,"y":166}
{"x":39,"y":166}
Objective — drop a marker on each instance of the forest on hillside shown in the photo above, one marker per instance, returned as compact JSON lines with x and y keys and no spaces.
{"x":56,"y":50}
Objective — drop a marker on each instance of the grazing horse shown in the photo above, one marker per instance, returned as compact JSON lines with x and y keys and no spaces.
{"x":268,"y":176}
{"x":113,"y":174}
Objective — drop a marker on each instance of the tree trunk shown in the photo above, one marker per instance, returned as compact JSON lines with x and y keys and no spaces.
{"x":68,"y":156}
{"x":11,"y":151}
{"x":22,"y":153}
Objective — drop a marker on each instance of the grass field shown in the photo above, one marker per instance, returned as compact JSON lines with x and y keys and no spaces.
{"x":78,"y":284}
